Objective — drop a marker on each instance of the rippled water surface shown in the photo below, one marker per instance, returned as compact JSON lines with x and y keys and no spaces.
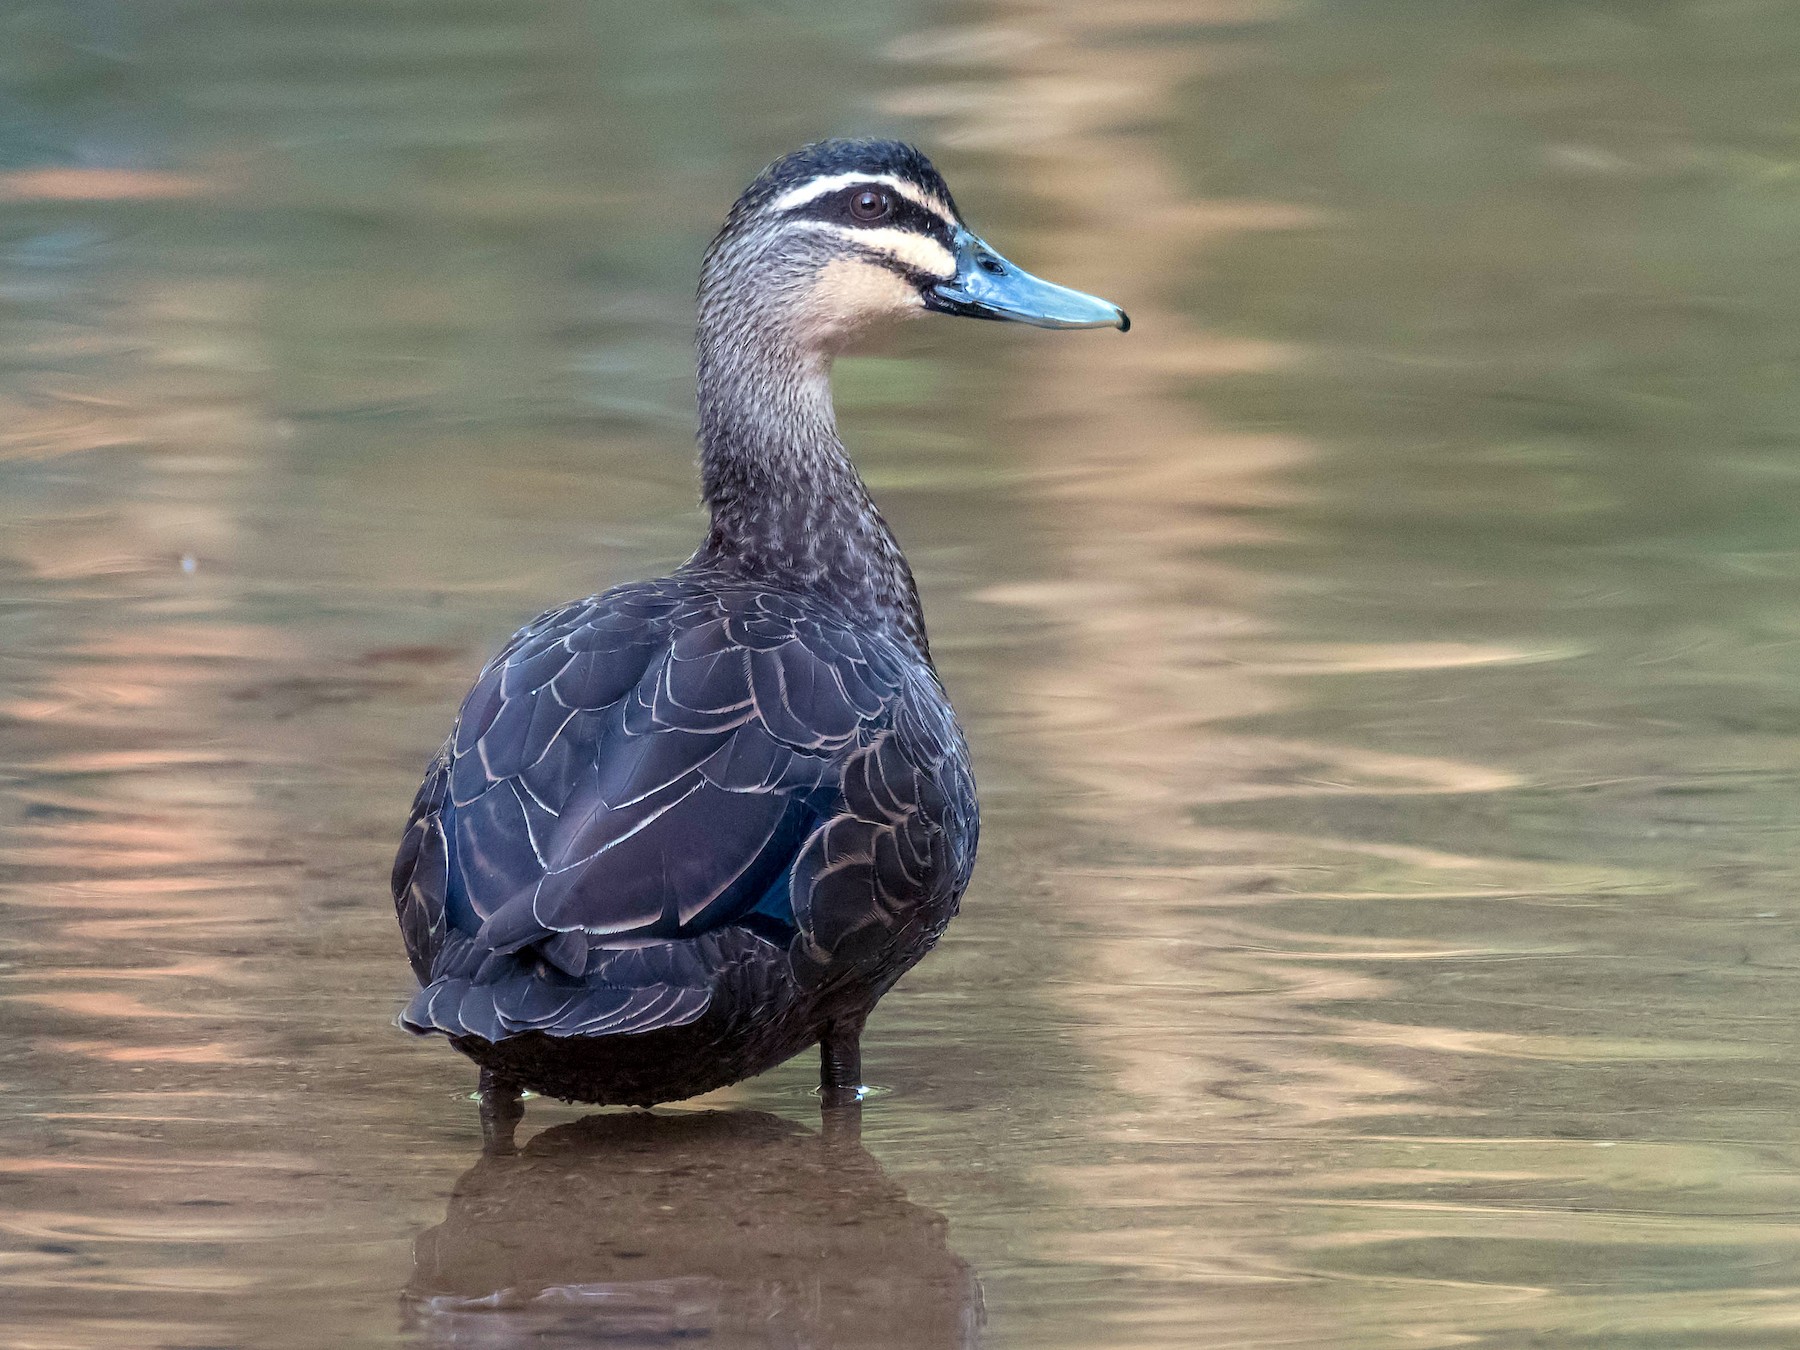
{"x":1380,"y":667}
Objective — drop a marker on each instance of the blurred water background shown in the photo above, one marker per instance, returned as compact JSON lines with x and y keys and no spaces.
{"x":1380,"y":666}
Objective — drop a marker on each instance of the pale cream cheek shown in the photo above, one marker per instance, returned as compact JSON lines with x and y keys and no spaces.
{"x":851,"y":294}
{"x":913,"y":249}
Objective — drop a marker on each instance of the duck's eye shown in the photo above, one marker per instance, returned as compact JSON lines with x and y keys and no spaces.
{"x":871,"y":205}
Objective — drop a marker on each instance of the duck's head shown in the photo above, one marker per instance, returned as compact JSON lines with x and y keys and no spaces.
{"x":847,"y":233}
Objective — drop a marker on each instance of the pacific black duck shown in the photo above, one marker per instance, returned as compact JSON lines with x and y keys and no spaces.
{"x":688,"y":827}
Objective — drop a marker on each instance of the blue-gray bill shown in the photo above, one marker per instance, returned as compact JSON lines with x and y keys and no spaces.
{"x":987,"y":286}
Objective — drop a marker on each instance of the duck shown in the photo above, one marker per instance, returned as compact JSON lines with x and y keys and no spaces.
{"x":687,"y":828}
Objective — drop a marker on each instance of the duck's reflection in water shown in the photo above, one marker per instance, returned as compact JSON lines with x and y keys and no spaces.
{"x":728,"y":1227}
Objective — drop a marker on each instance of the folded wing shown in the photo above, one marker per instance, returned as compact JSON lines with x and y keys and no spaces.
{"x":648,"y":766}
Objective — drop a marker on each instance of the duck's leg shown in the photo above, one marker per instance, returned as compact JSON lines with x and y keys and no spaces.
{"x":501,"y":1111}
{"x":840,"y":1063}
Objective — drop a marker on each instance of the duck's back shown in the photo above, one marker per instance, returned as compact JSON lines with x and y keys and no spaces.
{"x":670,"y":776}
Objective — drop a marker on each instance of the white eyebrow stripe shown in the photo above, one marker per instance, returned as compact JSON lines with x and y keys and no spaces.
{"x":915,"y":250}
{"x":816,"y":188}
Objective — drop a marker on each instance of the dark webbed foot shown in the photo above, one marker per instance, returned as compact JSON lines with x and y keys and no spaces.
{"x":840,"y":1064}
{"x":501,"y":1112}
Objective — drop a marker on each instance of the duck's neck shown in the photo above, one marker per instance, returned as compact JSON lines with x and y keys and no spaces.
{"x":788,"y":508}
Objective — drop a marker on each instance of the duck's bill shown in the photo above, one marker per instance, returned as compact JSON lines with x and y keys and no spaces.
{"x":987,"y":286}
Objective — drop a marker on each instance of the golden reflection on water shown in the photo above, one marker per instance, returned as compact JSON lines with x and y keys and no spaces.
{"x":73,"y":184}
{"x":1139,"y":487}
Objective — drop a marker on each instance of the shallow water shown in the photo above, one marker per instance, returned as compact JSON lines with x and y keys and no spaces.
{"x":1380,"y":668}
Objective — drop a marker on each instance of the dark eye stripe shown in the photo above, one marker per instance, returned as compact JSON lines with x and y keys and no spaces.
{"x":903,"y":214}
